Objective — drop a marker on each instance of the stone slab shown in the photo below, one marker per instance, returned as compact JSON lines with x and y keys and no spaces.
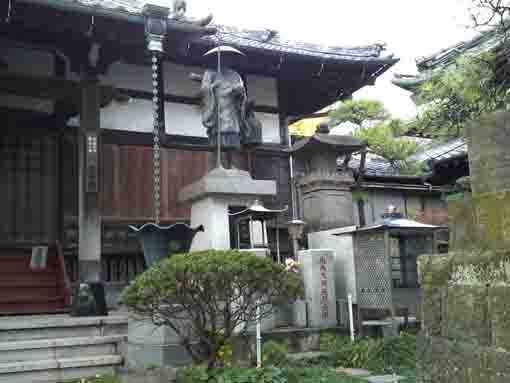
{"x":317,"y":269}
{"x":356,"y":372}
{"x":448,"y":361}
{"x":499,"y":316}
{"x":149,"y":345}
{"x":41,"y":365}
{"x":489,"y":162}
{"x":227,"y":182}
{"x":467,"y":313}
{"x":44,"y":327}
{"x":384,"y":378}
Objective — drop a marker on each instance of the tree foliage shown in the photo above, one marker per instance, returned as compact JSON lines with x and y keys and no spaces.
{"x":359,"y":112}
{"x":384,"y":135}
{"x":458,"y":94}
{"x":382,"y":140}
{"x":491,"y":13}
{"x":208,"y":295}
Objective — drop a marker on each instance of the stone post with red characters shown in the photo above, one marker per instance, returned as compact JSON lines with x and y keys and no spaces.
{"x":317,"y":269}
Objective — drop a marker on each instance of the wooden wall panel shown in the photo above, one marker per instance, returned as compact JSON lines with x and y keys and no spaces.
{"x":28,"y":179}
{"x":274,"y":165}
{"x":128,"y":182}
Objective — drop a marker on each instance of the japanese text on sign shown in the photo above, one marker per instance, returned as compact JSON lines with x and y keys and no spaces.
{"x":324,"y":287}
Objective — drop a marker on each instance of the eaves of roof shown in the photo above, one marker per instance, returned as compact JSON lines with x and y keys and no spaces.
{"x":131,"y":11}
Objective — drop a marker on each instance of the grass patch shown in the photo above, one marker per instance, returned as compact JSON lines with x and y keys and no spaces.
{"x":270,"y":374}
{"x":378,"y":355}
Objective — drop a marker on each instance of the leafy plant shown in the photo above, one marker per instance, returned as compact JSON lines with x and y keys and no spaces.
{"x":207,"y":295}
{"x":195,"y":374}
{"x":273,"y":353}
{"x":225,"y":355}
{"x":359,"y":111}
{"x":459,"y":94}
{"x":379,"y":355}
{"x":384,"y":135}
{"x":383,"y":140}
{"x":270,"y":374}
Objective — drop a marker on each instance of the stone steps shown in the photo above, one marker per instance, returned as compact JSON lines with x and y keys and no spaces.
{"x":59,"y":370}
{"x":57,"y":348}
{"x":23,"y":328}
{"x":54,"y":349}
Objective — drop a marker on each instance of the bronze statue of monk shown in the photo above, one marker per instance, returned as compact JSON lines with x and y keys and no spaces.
{"x":225,"y":92}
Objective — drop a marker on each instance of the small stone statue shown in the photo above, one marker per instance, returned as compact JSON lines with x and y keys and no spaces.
{"x":227,"y":93}
{"x":85,"y":302}
{"x":179,"y":14}
{"x":463,"y":184}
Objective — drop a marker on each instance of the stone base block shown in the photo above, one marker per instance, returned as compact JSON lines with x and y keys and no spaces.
{"x":152,"y":346}
{"x":300,"y":313}
{"x":446,"y":361}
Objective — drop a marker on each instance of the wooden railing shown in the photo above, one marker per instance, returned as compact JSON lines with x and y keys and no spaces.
{"x":116,"y":268}
{"x":64,"y":276}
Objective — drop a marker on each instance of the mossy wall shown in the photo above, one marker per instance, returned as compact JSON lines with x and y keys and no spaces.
{"x":466,"y":304}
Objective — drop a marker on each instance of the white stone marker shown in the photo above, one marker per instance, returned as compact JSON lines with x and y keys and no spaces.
{"x":317,"y":269}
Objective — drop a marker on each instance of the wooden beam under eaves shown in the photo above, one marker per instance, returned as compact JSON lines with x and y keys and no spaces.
{"x":67,"y":92}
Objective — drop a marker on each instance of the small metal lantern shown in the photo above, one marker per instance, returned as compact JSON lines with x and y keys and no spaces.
{"x":296,"y":228}
{"x":163,"y":241}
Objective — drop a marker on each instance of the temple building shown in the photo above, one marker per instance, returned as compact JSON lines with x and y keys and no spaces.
{"x":76,"y":148}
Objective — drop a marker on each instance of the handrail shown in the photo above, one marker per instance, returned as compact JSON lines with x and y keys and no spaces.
{"x":65,"y":276}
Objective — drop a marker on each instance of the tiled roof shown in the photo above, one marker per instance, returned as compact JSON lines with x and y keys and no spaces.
{"x":341,"y":142}
{"x":442,"y":151}
{"x":427,"y":65}
{"x":261,"y":39}
{"x":439,"y":152}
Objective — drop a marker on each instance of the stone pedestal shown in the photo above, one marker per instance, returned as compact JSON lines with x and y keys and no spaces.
{"x":466,"y":309}
{"x":152,"y":346}
{"x":210,"y":199}
{"x":317,"y":269}
{"x":325,"y":193}
{"x":327,"y":200}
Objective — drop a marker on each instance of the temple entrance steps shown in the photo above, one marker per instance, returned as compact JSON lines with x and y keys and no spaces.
{"x":31,"y":288}
{"x":57,"y":348}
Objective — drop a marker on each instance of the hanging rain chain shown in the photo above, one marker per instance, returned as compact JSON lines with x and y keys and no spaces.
{"x":9,"y":9}
{"x":158,"y":114}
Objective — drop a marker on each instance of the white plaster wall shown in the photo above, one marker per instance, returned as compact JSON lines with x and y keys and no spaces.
{"x":137,"y":77}
{"x":262,"y":90}
{"x":137,"y":116}
{"x":343,"y":247}
{"x":270,"y":127}
{"x":182,"y":119}
{"x":26,"y":61}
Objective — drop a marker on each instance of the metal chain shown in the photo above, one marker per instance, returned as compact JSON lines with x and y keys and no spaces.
{"x":156,"y":147}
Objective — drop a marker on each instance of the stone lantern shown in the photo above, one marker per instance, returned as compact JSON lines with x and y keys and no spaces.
{"x":325,"y":192}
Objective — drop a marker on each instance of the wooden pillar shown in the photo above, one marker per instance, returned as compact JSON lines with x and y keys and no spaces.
{"x":89,"y":251}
